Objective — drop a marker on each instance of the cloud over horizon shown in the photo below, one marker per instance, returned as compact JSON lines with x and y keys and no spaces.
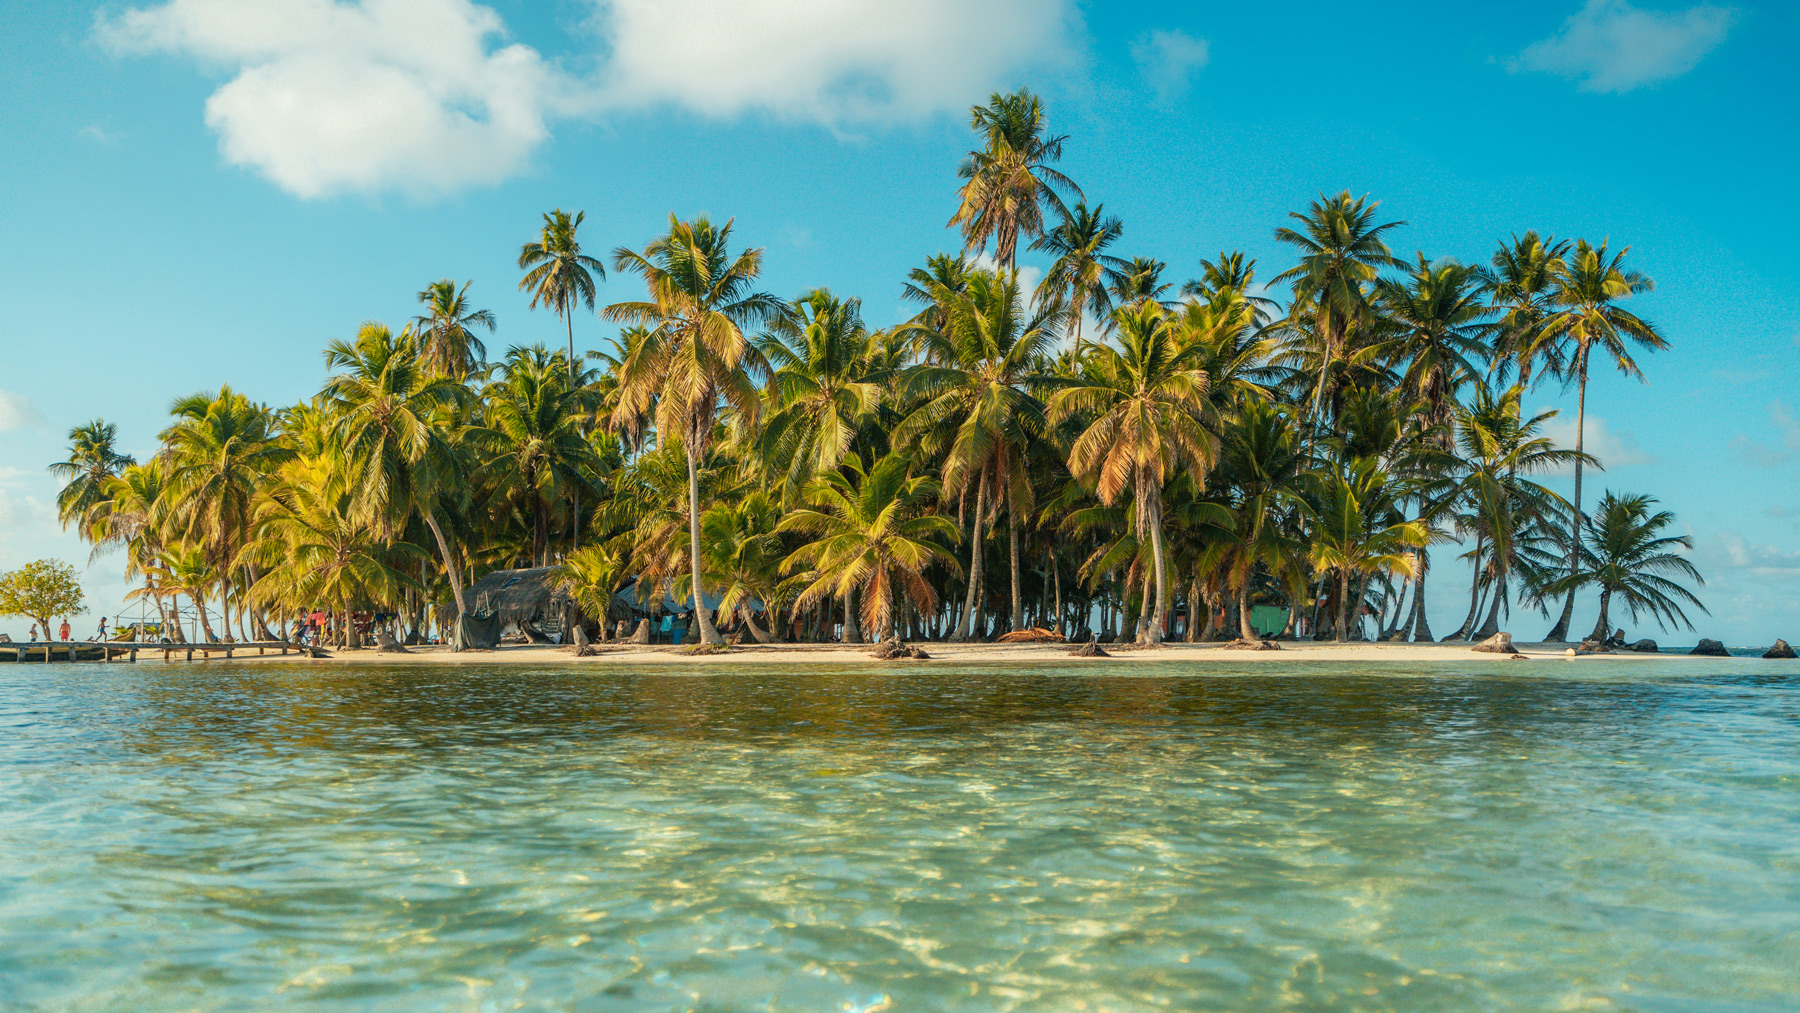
{"x":1611,"y":46}
{"x":426,"y":96}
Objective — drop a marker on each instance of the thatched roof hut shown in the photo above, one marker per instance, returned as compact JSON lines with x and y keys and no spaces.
{"x":534,"y":601}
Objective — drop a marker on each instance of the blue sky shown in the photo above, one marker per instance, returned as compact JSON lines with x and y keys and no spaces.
{"x":205,"y":191}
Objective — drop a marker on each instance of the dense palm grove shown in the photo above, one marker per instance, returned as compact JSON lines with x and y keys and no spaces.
{"x":1108,"y":452}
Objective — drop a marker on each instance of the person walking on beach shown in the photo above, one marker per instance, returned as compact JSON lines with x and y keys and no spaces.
{"x":63,"y":631}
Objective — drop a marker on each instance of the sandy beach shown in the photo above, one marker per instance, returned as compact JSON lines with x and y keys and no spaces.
{"x":949,"y":654}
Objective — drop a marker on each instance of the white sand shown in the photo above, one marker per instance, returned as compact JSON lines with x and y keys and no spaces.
{"x":965,"y":654}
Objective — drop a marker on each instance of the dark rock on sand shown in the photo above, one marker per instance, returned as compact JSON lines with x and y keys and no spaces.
{"x":1781,"y":650}
{"x":1499,"y":643}
{"x":1091,"y":649}
{"x":1253,"y":645}
{"x":1710,"y":648}
{"x":1644,"y":646}
{"x":898,"y":650}
{"x":1592,"y":646}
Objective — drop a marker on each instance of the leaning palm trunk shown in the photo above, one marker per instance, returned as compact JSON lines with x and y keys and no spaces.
{"x":1419,"y":625}
{"x":756,"y":632}
{"x":1468,"y":622}
{"x":708,"y":633}
{"x":1362,"y":596}
{"x":451,"y":570}
{"x":1245,"y":630}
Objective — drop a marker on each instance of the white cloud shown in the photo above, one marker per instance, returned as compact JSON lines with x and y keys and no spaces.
{"x":98,"y":134}
{"x":1729,"y":550}
{"x":1168,"y":60}
{"x":830,"y":61}
{"x":1611,"y":46}
{"x":1613,"y":449}
{"x":328,"y":96}
{"x":17,"y":412}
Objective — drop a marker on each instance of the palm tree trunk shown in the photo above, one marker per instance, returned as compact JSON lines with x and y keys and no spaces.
{"x":1560,"y":632}
{"x":1154,"y":634}
{"x":852,"y":630}
{"x":756,"y":632}
{"x":1343,"y":604}
{"x":1362,"y":595}
{"x":1603,"y":627}
{"x":1491,"y":625}
{"x":1017,"y":620}
{"x":1056,"y":578}
{"x":452,"y":571}
{"x":1395,"y":625}
{"x":1419,"y":626}
{"x":708,"y":633}
{"x":1468,"y":622}
{"x":1245,"y":630}
{"x":966,"y":627}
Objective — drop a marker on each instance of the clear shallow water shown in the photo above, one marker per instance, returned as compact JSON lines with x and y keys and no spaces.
{"x":1479,"y":836}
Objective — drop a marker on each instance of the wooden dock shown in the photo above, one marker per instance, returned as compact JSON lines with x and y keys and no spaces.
{"x":128,"y":651}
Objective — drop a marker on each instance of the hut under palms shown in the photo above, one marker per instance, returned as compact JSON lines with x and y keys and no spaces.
{"x":532,"y":603}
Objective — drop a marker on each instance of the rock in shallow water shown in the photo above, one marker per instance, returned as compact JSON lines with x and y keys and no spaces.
{"x":1710,"y":648}
{"x":1780,"y":650}
{"x":1645,"y":646}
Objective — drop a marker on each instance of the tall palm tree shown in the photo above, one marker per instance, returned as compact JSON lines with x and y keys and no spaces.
{"x":396,"y":423}
{"x":446,"y":330}
{"x":1627,"y":555}
{"x":1521,"y":279}
{"x":1008,"y":182}
{"x":978,"y":408}
{"x":819,"y":392}
{"x":1078,"y":277}
{"x":695,"y":355}
{"x":744,"y":553}
{"x":93,"y":462}
{"x":1139,"y":280}
{"x":1151,"y":416}
{"x":1341,"y":254}
{"x":1266,"y":466}
{"x":872,"y":538}
{"x":557,"y":273}
{"x":1586,"y":315}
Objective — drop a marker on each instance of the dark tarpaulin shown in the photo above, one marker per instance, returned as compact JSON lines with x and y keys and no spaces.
{"x":475,"y":631}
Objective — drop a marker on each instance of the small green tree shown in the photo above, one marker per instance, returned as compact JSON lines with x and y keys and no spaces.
{"x":41,"y":590}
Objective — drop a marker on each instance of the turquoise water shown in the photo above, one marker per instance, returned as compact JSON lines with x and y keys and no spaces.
{"x":1546,"y":835}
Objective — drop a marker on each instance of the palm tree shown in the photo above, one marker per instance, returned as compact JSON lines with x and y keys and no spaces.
{"x":557,"y":273}
{"x":94,"y":461}
{"x":531,"y":436}
{"x":446,"y":330}
{"x":1138,"y":280}
{"x":395,"y":423}
{"x":978,"y":410}
{"x":315,"y":548}
{"x":695,"y":354}
{"x":871,"y":536}
{"x":590,"y":576}
{"x":1498,"y":446}
{"x":1442,"y":323}
{"x":1356,"y":530}
{"x":1341,"y":254}
{"x":819,"y":393}
{"x":743,"y":552}
{"x":1009,"y":181}
{"x":216,"y":455}
{"x":1521,"y":280}
{"x":1586,"y":315}
{"x":1266,"y":467}
{"x":1626,"y":555}
{"x":1151,"y":415}
{"x":1078,"y":277}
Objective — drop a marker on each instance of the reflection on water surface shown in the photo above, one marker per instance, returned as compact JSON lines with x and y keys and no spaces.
{"x":1353,"y":837}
